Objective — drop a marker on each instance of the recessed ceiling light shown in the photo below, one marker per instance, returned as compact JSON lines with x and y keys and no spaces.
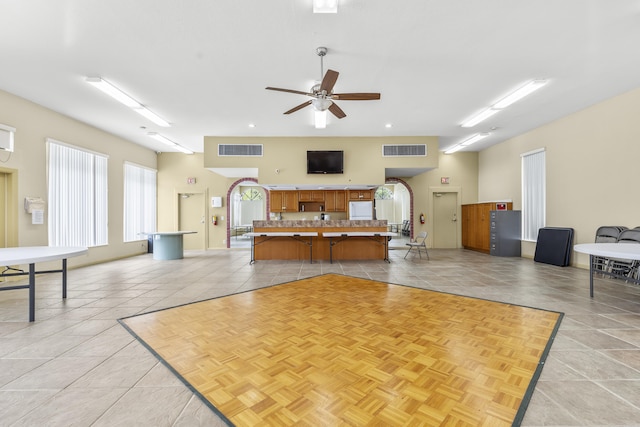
{"x":388,"y":125}
{"x":251,"y":125}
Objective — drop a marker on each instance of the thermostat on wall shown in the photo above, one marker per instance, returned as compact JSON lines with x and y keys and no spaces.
{"x":216,"y":202}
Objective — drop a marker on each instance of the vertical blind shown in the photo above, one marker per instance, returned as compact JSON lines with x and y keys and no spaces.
{"x":139,"y":201}
{"x":77,"y":181}
{"x":533,"y":194}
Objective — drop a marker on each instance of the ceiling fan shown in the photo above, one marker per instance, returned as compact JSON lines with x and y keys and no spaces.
{"x":322,"y":94}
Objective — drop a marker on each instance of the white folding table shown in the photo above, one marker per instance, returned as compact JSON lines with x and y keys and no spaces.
{"x":31,"y":255}
{"x":630,"y":251}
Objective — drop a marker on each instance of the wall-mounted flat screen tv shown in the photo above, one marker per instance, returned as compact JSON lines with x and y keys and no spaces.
{"x":323,"y":162}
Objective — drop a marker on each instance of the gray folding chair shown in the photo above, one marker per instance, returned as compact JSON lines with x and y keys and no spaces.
{"x":419,"y":243}
{"x":606,"y":234}
{"x":626,"y":268}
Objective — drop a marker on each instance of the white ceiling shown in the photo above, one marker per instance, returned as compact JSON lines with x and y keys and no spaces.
{"x":203,"y":65}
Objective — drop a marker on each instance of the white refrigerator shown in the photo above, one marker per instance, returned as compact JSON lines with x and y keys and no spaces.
{"x":360,"y":210}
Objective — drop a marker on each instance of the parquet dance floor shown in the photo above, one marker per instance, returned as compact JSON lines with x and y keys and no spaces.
{"x":338,"y":350}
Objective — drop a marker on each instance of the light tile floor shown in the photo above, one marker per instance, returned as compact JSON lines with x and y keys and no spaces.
{"x":77,"y":366}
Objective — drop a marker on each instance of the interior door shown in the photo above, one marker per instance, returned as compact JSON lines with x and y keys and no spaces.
{"x":191,"y":217}
{"x":445,"y":220}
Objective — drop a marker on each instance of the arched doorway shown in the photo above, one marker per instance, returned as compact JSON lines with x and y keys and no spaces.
{"x":246,"y":202}
{"x":396,"y":206}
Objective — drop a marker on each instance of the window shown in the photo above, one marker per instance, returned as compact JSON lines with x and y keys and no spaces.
{"x":533,"y":194}
{"x":383,"y":193}
{"x":77,"y":181}
{"x":251,"y":194}
{"x":139,"y":201}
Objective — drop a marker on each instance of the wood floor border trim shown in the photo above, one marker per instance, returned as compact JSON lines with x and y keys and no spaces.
{"x":536,"y":375}
{"x":168,"y":366}
{"x":519,"y":414}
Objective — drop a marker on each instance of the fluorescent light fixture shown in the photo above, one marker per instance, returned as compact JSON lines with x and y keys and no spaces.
{"x":325,"y":6}
{"x":517,"y":95}
{"x":321,"y":119}
{"x":467,"y":142}
{"x":182,"y":149}
{"x":483,"y":115}
{"x":161,"y":138}
{"x":475,"y":138}
{"x":152,"y":116}
{"x":113,"y":91}
{"x":453,"y":149}
{"x":167,"y":141}
{"x":122,"y":97}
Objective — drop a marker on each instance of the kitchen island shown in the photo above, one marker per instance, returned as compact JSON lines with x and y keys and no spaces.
{"x":372,"y":246}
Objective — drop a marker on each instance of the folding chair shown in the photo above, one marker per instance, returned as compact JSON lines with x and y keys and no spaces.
{"x":419,"y":243}
{"x":606,"y":234}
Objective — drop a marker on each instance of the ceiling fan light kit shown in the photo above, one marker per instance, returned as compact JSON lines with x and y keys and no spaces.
{"x":325,"y":6}
{"x":323,"y":96}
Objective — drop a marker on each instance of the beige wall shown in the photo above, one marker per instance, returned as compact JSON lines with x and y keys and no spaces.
{"x":592,"y":169}
{"x":34,"y":124}
{"x":174,"y":169}
{"x":462,"y":170}
{"x":363,"y":161}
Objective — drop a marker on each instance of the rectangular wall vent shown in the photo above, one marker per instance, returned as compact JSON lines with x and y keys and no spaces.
{"x":244,"y":150}
{"x":404,"y":150}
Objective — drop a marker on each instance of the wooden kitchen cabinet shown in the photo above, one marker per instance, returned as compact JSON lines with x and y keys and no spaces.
{"x":311,"y":196}
{"x":360,"y":195}
{"x":284,"y":201}
{"x":476,"y":224}
{"x":335,"y":201}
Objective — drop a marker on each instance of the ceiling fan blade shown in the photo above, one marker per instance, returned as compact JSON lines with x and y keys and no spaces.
{"x":337,"y":111}
{"x":299,"y":107}
{"x":289,"y":91}
{"x":355,"y":96}
{"x":329,"y":80}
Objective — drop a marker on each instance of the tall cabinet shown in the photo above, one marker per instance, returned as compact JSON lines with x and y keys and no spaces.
{"x":476,"y":224}
{"x":504,"y":230}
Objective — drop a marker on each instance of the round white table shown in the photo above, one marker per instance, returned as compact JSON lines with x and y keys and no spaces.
{"x":31,"y":255}
{"x":168,"y":244}
{"x":630,"y":251}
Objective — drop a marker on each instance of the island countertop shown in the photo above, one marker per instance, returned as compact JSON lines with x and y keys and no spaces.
{"x":274,"y":247}
{"x":339,"y":223}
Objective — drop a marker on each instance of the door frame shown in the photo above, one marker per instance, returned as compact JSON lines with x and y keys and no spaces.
{"x":176,"y":209}
{"x":12,"y":210}
{"x":431,"y":196}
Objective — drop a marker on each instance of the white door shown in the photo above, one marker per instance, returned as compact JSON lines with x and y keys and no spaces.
{"x":191,"y":217}
{"x":445,"y":220}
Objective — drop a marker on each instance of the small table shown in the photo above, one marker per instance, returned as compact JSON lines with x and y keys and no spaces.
{"x":372,"y":235}
{"x":630,"y":251}
{"x":394,"y":227}
{"x":246,"y":228}
{"x":273,"y":234}
{"x":168,"y":244}
{"x":32,"y":254}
